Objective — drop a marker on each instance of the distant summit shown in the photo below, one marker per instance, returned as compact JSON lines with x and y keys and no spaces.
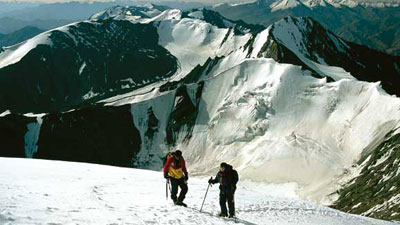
{"x":373,"y":24}
{"x":286,"y":4}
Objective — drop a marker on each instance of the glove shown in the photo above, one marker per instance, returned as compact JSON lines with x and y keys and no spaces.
{"x":210,"y":181}
{"x":166,"y":176}
{"x":186,"y":177}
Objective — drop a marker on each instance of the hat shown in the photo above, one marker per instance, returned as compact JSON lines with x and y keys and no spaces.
{"x":223,"y":164}
{"x":178,"y":153}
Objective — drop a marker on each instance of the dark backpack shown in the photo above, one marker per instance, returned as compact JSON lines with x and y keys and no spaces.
{"x":234,"y":177}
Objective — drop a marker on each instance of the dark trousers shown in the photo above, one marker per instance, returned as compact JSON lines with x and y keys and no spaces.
{"x":227,"y":197}
{"x":174,"y":189}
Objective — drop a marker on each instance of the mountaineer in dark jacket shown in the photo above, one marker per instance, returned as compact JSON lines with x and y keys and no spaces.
{"x":227,"y":178}
{"x":175,"y":170}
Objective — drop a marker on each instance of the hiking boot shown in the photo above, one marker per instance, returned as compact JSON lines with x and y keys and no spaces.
{"x":175,"y":201}
{"x":181,"y":203}
{"x":231,"y":216}
{"x":222,"y":214}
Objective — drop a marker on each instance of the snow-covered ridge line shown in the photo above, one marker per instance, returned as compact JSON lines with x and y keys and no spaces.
{"x":291,"y":32}
{"x":287,"y":4}
{"x":129,"y":13}
{"x":145,"y":14}
{"x":138,"y":14}
{"x":15,"y":53}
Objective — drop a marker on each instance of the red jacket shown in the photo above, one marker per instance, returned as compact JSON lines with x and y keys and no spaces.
{"x":174,"y":170}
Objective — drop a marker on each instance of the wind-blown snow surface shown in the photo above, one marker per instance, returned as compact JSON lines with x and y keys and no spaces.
{"x":54,"y":192}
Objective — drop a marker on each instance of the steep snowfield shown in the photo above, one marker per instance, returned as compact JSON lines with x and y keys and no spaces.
{"x":54,"y":192}
{"x":193,"y":41}
{"x":277,"y":123}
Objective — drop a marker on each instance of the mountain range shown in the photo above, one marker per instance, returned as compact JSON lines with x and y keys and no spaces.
{"x":291,"y":102}
{"x":367,"y":24}
{"x":18,"y":36}
{"x":45,"y":16}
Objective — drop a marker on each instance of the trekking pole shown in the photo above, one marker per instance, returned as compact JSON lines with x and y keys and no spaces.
{"x":205,"y":197}
{"x":166,"y":188}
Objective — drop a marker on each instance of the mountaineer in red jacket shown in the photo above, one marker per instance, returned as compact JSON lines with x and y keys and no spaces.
{"x":175,"y":170}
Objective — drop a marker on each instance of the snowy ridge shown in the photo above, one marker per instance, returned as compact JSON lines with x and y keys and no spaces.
{"x":292,"y":33}
{"x":130,"y":13}
{"x":15,"y":53}
{"x":314,"y":3}
{"x":193,"y":41}
{"x":287,"y":4}
{"x":34,"y":192}
{"x":137,"y":14}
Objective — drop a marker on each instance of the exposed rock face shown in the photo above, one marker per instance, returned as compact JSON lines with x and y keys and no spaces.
{"x":13,"y":129}
{"x":83,"y":63}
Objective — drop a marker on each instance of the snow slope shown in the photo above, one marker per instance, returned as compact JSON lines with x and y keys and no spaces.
{"x":193,"y":41}
{"x":276,"y":118}
{"x":54,"y":192}
{"x":261,"y":115}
